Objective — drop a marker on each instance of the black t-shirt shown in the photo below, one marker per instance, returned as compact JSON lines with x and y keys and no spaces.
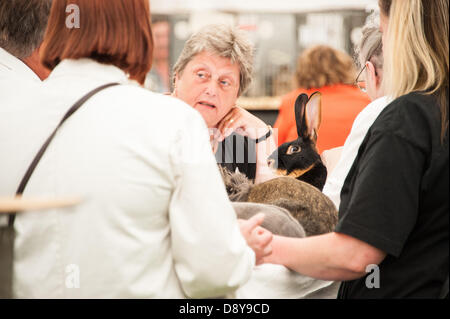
{"x":237,"y":151}
{"x":395,"y":198}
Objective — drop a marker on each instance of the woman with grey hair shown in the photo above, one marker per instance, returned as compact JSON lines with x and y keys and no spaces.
{"x":212,"y":71}
{"x":369,"y":53}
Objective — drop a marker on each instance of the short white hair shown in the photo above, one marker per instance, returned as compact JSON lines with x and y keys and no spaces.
{"x":370,"y":47}
{"x":225,"y":41}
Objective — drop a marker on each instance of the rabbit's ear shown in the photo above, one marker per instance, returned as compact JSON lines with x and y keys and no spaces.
{"x":313,"y":115}
{"x":300,"y":105}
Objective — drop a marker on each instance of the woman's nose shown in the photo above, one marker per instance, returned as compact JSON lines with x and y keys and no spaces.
{"x":211,"y":88}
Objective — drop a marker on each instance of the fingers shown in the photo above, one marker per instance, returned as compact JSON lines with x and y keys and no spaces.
{"x":230,"y":123}
{"x":249,"y":225}
{"x":242,"y":122}
{"x":265,"y":237}
{"x":262,"y":245}
{"x":257,"y":237}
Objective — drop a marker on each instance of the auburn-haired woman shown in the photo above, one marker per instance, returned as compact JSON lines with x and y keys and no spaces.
{"x":392,"y":238}
{"x":332,"y":72}
{"x":154,"y":220}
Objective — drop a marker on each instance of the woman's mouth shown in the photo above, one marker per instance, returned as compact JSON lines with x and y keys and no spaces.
{"x":207,"y":104}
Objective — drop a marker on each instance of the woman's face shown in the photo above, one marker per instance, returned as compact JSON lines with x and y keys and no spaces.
{"x":210,"y":84}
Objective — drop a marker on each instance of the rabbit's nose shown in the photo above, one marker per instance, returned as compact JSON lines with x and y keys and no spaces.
{"x":271,"y":162}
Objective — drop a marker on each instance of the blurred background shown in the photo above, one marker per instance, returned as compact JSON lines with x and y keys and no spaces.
{"x":279,"y":29}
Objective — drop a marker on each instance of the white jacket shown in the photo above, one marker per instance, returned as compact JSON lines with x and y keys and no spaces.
{"x":270,"y":281}
{"x":361,"y":125}
{"x":155,"y":221}
{"x":12,"y":66}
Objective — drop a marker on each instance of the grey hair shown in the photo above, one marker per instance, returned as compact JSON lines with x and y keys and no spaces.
{"x":22,"y":25}
{"x":370,"y":47}
{"x":225,"y":41}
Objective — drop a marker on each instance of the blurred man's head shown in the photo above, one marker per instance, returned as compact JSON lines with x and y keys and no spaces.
{"x":22,"y":25}
{"x":22,"y":28}
{"x":161,"y":36}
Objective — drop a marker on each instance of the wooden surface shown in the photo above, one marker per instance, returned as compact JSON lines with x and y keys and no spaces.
{"x":18,"y":204}
{"x":263,"y":103}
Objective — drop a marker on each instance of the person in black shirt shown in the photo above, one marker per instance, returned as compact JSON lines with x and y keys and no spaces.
{"x":392,"y":237}
{"x":212,"y":71}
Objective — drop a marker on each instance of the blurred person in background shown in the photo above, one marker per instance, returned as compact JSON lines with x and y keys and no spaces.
{"x":332,"y":72}
{"x":369,"y":52}
{"x":154,"y":219}
{"x":212,"y":71}
{"x":392,"y":237}
{"x":22,"y":27}
{"x":158,"y":79}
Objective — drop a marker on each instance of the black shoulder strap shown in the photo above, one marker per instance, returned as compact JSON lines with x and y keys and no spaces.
{"x":41,"y":152}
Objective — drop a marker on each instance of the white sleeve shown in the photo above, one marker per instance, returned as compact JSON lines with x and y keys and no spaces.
{"x":211,"y":256}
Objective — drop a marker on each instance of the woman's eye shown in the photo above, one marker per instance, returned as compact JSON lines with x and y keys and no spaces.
{"x":293,"y":149}
{"x":201,"y":75}
{"x":225,"y":83}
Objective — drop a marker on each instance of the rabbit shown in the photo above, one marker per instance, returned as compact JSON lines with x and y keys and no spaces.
{"x":299,"y":158}
{"x":314,"y":211}
{"x":306,"y":212}
{"x":309,"y":206}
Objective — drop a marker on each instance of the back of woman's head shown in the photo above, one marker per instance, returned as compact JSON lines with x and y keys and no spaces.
{"x":416,"y":49}
{"x":370,"y":47}
{"x":116,"y":32}
{"x":322,"y":66}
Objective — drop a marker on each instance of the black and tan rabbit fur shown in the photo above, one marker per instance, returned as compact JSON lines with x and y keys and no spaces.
{"x":299,"y":158}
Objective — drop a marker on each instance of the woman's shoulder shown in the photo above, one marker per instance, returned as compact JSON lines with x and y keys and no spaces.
{"x":145,"y":101}
{"x":415,"y":107}
{"x":414,"y":116}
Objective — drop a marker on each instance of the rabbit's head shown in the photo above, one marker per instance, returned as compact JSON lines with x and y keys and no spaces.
{"x":299,"y":158}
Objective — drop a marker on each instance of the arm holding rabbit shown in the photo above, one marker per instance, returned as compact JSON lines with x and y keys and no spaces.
{"x":332,"y":256}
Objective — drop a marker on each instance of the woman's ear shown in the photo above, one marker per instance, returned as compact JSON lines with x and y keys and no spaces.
{"x":375,"y":76}
{"x":175,"y":81}
{"x":372,"y":73}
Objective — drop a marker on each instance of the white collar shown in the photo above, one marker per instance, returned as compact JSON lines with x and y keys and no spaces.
{"x":9,"y":63}
{"x":88,"y":68}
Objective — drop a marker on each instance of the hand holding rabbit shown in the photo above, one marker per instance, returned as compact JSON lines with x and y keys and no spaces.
{"x":257,"y":238}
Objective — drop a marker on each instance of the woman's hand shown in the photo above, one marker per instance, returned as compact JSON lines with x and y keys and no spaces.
{"x":242,"y":122}
{"x":257,"y":238}
{"x":246,"y":124}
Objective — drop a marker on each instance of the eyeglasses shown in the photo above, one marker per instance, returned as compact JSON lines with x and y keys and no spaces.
{"x":361,"y":84}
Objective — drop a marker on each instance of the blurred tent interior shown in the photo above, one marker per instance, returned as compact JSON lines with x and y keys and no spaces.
{"x":280,"y":30}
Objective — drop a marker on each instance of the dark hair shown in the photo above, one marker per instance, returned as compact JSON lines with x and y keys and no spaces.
{"x":385,"y":6}
{"x":116,"y":32}
{"x":22,"y":25}
{"x":157,"y":18}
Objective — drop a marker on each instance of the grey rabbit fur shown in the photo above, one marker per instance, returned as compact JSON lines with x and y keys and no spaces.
{"x":277,"y":220}
{"x":299,"y":158}
{"x":314,"y":211}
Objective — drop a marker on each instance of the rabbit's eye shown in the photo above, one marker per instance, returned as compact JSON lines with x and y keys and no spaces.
{"x":293,"y":149}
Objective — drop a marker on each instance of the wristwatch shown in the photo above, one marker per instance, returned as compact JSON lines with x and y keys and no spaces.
{"x":264,"y":137}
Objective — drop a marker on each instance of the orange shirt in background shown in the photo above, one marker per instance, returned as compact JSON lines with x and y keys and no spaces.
{"x":341,"y":104}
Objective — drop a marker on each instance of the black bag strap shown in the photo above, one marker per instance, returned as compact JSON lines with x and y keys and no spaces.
{"x":41,"y":152}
